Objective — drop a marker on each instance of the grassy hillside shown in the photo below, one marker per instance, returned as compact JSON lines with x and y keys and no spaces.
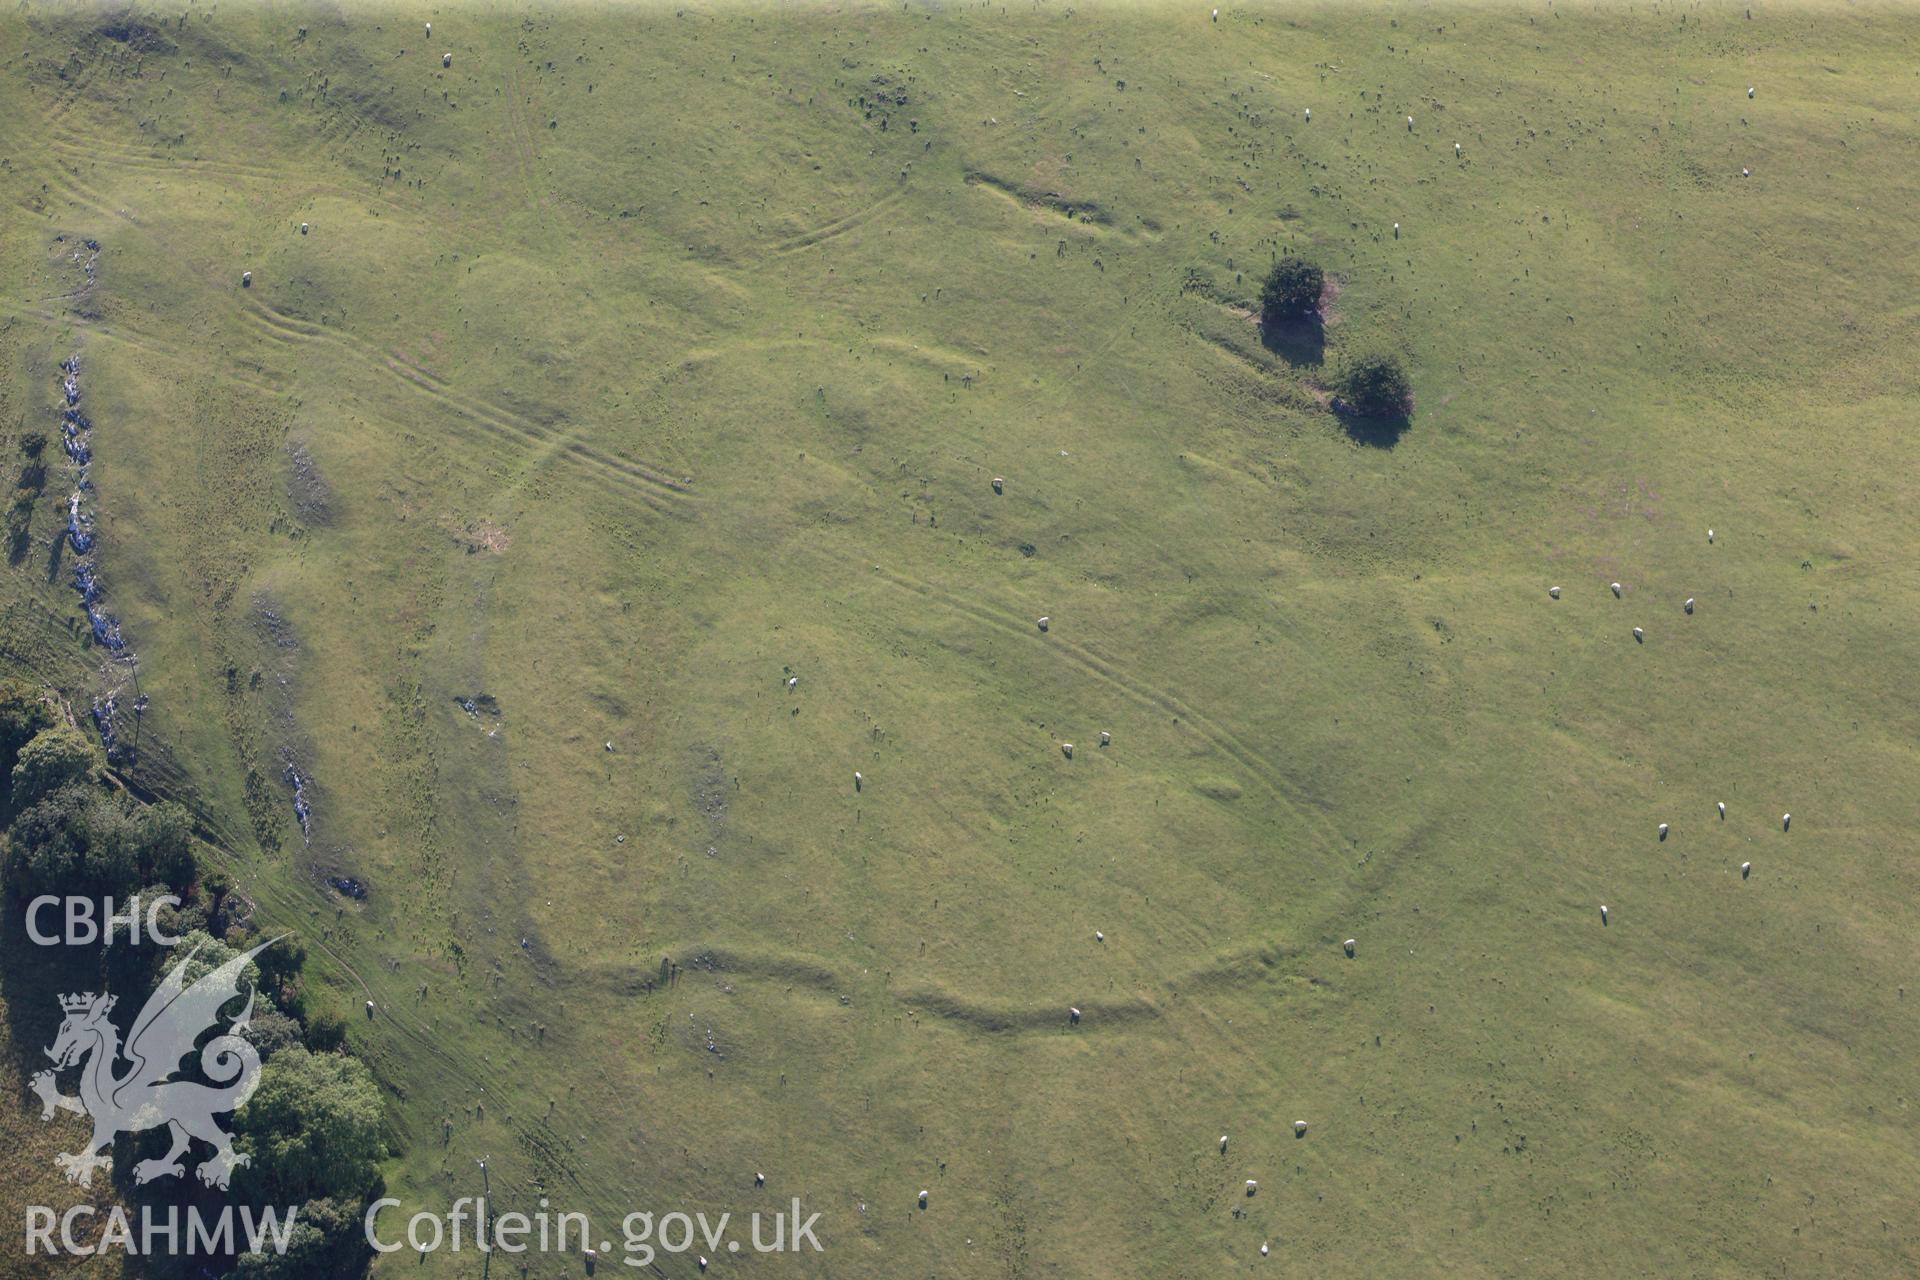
{"x":640,"y":359}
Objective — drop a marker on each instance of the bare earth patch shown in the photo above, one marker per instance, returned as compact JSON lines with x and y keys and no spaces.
{"x":485,"y":535}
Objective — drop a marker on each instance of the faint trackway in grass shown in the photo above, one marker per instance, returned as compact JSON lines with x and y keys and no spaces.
{"x":841,"y":225}
{"x":520,"y":140}
{"x":70,"y":160}
{"x":253,"y":375}
{"x":68,"y":184}
{"x":74,"y":150}
{"x":73,"y":159}
{"x":1101,"y":669}
{"x":649,"y":483}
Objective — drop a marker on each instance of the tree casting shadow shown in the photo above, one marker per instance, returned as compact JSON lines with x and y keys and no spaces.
{"x":1300,"y":341}
{"x":1376,"y":431}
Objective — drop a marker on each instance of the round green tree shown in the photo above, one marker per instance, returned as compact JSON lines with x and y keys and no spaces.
{"x":23,"y":713}
{"x":313,"y":1127}
{"x":1378,"y":387}
{"x":1292,"y":291}
{"x":51,"y":759}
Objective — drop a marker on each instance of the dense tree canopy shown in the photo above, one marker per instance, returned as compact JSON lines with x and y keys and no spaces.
{"x":23,"y":713}
{"x":1378,"y":387}
{"x":1292,"y":291}
{"x":314,"y":1124}
{"x":52,"y":758}
{"x":209,"y":953}
{"x":80,"y":838}
{"x":271,"y":1031}
{"x":327,"y":1240}
{"x":312,"y":1127}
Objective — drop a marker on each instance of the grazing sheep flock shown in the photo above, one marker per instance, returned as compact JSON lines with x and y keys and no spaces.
{"x":1076,"y":870}
{"x":1349,"y":945}
{"x":1662,"y":830}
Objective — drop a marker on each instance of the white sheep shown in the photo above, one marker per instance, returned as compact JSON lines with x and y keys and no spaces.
{"x":429,"y":28}
{"x":1263,"y":1249}
{"x":1396,"y":231}
{"x":1603,"y":913}
{"x":1456,"y":151}
{"x":246,"y":277}
{"x":923,"y":1198}
{"x":1786,"y":820}
{"x":1616,"y":590}
{"x":1073,"y":1014}
{"x":1223,"y":1144}
{"x":1746,"y":869}
{"x":1554,"y":592}
{"x":1066,"y":749}
{"x":1252,"y":1186}
{"x":1709,"y":537}
{"x":1350,"y":944}
{"x":1409,"y":124}
{"x":1216,"y":18}
{"x":1722,"y":806}
{"x":1663,"y":831}
{"x":1688,"y":606}
{"x":1299,"y":1128}
{"x":999,"y":484}
{"x":303,"y":228}
{"x":446,"y":59}
{"x":1639,"y":635}
{"x":1098,"y":936}
{"x":857,"y":780}
{"x":1043,"y":622}
{"x":1309,"y":114}
{"x":1106,"y":739}
{"x":759,"y":1179}
{"x":793,"y":682}
{"x":1749,"y":91}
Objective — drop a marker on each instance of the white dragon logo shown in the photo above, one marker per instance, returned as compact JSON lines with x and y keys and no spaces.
{"x":144,"y":1098}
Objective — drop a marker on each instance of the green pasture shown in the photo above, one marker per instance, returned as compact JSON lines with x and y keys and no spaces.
{"x":645,"y":357}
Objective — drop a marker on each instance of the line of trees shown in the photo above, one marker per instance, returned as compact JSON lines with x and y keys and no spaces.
{"x":1373,"y":385}
{"x":314,"y":1125}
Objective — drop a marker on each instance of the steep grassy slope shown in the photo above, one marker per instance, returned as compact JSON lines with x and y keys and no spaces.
{"x":641,"y":359}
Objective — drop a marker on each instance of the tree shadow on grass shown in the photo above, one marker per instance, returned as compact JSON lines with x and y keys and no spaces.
{"x":1300,"y":341}
{"x":1374,"y":430}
